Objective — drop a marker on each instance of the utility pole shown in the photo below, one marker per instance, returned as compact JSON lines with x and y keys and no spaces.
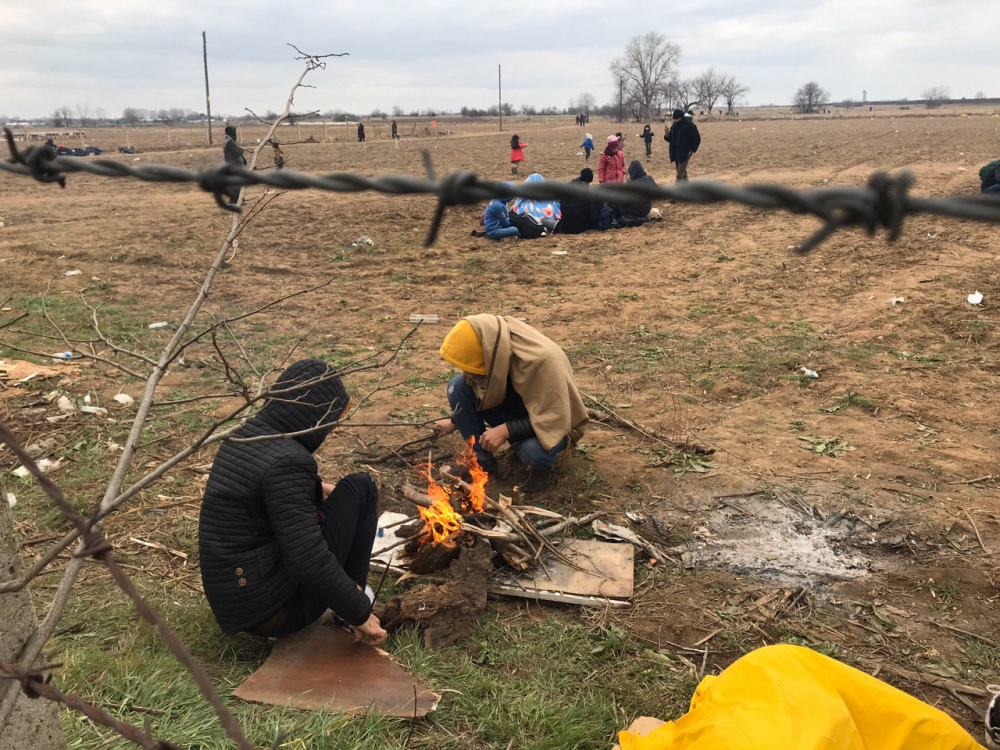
{"x":500,"y":95}
{"x":208,"y":99}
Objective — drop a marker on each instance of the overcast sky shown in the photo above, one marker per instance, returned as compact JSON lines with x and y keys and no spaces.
{"x":443,"y":54}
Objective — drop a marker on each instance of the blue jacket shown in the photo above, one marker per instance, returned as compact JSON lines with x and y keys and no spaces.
{"x":588,"y":143}
{"x":496,"y":216}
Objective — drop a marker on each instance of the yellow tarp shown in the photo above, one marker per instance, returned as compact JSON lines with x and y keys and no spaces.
{"x":791,"y":698}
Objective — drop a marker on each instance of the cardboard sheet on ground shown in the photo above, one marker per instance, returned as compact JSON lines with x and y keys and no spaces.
{"x":606,"y":577}
{"x":321,"y":668}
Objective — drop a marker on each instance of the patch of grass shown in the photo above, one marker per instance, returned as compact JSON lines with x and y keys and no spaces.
{"x":544,"y":685}
{"x":798,"y":425}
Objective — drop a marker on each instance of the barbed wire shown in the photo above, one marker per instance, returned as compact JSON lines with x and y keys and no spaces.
{"x":883,"y":203}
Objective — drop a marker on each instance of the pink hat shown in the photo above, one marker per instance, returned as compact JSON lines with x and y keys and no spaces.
{"x":612,"y":139}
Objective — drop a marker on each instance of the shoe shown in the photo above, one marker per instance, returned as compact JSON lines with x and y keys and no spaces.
{"x":538,"y":480}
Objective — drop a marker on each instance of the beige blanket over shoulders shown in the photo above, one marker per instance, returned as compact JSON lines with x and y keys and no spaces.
{"x":540,"y":373}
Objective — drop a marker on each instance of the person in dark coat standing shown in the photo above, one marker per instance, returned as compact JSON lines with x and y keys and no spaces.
{"x":361,"y":132}
{"x":232,"y":152}
{"x":684,"y":140}
{"x":279,"y":155}
{"x":395,"y":131}
{"x":634,"y":214}
{"x":278,"y":546}
{"x":647,"y":137}
{"x":578,"y":214}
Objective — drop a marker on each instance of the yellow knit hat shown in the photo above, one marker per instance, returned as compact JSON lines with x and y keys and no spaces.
{"x":463,"y":349}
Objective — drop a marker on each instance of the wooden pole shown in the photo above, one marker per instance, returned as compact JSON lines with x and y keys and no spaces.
{"x":169,"y":142}
{"x":326,"y":132}
{"x":128,"y":143}
{"x":208,"y":99}
{"x":500,"y":95}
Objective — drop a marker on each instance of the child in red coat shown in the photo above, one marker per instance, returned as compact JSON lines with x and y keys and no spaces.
{"x":516,"y":154}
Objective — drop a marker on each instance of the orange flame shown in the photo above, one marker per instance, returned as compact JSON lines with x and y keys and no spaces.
{"x":440,"y":520}
{"x":477,"y":487}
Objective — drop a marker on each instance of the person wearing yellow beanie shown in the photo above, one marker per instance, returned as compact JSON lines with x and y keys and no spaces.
{"x":515,"y":385}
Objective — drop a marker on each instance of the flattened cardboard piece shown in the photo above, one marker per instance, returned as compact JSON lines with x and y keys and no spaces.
{"x":607,"y":571}
{"x":322,"y":668}
{"x":607,"y":577}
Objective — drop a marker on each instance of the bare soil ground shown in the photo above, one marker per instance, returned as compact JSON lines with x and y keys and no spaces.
{"x":696,"y":327}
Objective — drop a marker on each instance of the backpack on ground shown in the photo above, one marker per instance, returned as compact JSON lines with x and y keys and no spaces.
{"x":529,"y":226}
{"x":988,"y":174}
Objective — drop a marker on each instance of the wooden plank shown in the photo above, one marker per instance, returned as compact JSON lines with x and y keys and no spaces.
{"x":322,"y":668}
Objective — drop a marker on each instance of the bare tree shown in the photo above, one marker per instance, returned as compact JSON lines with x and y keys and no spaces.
{"x":586,"y":102}
{"x":708,"y":88}
{"x":980,"y":95}
{"x":397,"y":111}
{"x":648,"y":65}
{"x":83,"y":112}
{"x":732,"y":92}
{"x":934,"y":96}
{"x":810,"y":98}
{"x":101,"y":114}
{"x":62,"y":117}
{"x":131,"y":115}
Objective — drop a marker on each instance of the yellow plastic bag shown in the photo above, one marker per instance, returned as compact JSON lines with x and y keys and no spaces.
{"x":791,"y":698}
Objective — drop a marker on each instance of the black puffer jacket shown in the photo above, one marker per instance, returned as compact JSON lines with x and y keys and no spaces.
{"x":259,"y":536}
{"x":684,"y":139}
{"x":638,"y":175}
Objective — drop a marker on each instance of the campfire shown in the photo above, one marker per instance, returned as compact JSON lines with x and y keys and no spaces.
{"x":455,"y":510}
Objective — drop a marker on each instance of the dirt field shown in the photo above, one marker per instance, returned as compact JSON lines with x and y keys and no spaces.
{"x":696,"y":327}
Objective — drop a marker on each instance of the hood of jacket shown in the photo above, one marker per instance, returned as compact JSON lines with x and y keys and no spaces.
{"x":306,"y":395}
{"x":635,"y":170}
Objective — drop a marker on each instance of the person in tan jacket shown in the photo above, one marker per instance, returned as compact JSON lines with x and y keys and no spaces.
{"x":516,"y":385}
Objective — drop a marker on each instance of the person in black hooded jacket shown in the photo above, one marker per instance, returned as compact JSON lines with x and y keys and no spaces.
{"x":278,"y":547}
{"x":684,"y":140}
{"x":232,"y":152}
{"x":579,"y":214}
{"x":634,"y":214}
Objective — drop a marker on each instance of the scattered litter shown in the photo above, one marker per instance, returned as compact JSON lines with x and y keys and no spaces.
{"x":93,"y":410}
{"x":578,"y":153}
{"x":75,"y":272}
{"x":635,"y":517}
{"x":826,"y":182}
{"x":420,"y":318}
{"x":363,"y":240}
{"x":794,"y":248}
{"x":11,"y":499}
{"x":895,"y":300}
{"x":961,"y":169}
{"x":931,"y":236}
{"x":809,"y":373}
{"x":86,"y":399}
{"x":64,"y":404}
{"x":975,"y":299}
{"x":161,"y":324}
{"x":560,"y":252}
{"x":45,"y":465}
{"x":124,"y":399}
{"x":63,"y":355}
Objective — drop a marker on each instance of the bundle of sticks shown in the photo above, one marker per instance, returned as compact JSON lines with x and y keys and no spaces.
{"x":518,"y":533}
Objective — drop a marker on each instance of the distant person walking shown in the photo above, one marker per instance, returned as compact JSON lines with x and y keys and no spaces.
{"x":611,"y":166}
{"x":232,"y":152}
{"x":361,"y":132}
{"x":279,"y":155}
{"x":684,"y":140}
{"x":395,"y":132}
{"x":647,"y":137}
{"x":587,"y":146}
{"x":516,"y":153}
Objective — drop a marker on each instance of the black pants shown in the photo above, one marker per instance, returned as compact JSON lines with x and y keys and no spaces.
{"x":348,"y":519}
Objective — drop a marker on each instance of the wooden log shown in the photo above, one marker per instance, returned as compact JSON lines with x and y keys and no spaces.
{"x":416,"y":497}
